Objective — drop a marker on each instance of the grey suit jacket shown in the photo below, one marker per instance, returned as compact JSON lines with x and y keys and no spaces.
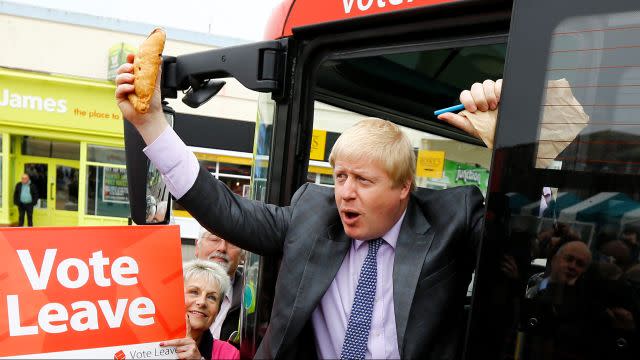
{"x":434,"y":258}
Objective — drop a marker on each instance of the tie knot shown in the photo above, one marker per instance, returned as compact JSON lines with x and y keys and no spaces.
{"x":374,"y":245}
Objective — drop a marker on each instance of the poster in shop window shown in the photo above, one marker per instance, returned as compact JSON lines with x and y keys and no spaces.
{"x":90,"y":292}
{"x":114,"y":185}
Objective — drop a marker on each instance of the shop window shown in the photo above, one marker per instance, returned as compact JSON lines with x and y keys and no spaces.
{"x":107,"y":191}
{"x":320,"y":179}
{"x":106,"y":154}
{"x":234,"y":169}
{"x":211,"y":166}
{"x":326,"y":179}
{"x":66,"y":188}
{"x":235,"y":184}
{"x":236,"y":177}
{"x":52,"y":149}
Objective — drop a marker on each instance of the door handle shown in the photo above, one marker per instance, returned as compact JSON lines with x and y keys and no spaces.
{"x":51,"y":191}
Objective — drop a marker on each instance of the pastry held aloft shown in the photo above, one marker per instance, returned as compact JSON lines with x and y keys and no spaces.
{"x":145,"y":70}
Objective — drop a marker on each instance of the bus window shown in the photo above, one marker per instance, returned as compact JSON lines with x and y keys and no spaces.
{"x":559,"y":277}
{"x":589,"y":122}
{"x":406,"y":87}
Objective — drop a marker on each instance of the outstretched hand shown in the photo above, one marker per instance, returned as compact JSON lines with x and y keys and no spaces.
{"x":151,"y":124}
{"x":480,"y":114}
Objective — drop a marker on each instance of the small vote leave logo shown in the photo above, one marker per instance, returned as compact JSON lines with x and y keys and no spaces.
{"x":119,"y":355}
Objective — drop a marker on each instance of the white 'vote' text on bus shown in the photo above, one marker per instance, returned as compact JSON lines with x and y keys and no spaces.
{"x":364,"y":5}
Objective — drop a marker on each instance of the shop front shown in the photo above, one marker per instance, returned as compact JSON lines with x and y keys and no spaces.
{"x":66,"y":134}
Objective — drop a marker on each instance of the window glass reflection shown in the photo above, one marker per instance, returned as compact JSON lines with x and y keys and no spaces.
{"x":107,"y":192}
{"x":235,"y":169}
{"x":66,"y":188}
{"x":575,"y":262}
{"x":106,"y":154}
{"x":48,"y":148}
{"x":572,"y":259}
{"x":589,"y":120}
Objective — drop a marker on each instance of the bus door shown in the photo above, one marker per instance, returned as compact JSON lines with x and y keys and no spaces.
{"x":559,"y":272}
{"x":409,"y":66}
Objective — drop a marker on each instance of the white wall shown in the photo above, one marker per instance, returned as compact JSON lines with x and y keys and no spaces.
{"x":75,"y":50}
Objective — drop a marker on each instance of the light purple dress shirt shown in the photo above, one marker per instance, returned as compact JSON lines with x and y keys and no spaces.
{"x":177,"y":164}
{"x":330,"y":318}
{"x":180,"y":167}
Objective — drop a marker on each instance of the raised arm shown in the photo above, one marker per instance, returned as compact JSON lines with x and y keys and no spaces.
{"x":249,"y":224}
{"x":481,"y":111}
{"x":151,"y":124}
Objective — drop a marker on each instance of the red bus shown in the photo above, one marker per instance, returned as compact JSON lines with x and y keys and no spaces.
{"x":549,"y":180}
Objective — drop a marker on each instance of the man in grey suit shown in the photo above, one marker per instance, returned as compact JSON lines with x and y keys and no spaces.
{"x":373,"y":268}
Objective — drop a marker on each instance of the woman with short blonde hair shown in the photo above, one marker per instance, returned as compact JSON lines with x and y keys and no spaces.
{"x":205,"y":283}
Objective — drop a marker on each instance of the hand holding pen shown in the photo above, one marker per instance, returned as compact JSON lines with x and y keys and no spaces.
{"x":482,"y":97}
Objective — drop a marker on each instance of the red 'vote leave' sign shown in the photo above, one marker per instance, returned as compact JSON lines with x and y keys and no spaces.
{"x":94,"y":291}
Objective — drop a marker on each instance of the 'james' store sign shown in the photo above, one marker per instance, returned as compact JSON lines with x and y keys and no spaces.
{"x":90,"y":292}
{"x":64,"y":103}
{"x":19,"y":101}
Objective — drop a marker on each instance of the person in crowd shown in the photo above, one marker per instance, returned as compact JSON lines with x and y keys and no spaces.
{"x":25,"y":197}
{"x":565,"y":316}
{"x":608,"y":270}
{"x":568,"y":263}
{"x":371,"y":268}
{"x":630,"y":237}
{"x":549,"y":241}
{"x":615,"y":252}
{"x":205,"y":283}
{"x":214,"y":248}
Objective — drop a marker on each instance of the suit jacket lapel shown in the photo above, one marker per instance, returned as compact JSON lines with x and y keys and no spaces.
{"x":321,"y":268}
{"x":413,"y":244}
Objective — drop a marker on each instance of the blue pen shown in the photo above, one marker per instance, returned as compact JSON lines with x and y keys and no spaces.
{"x":459,"y":107}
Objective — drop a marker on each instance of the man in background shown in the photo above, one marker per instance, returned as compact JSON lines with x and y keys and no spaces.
{"x":25,"y":196}
{"x":214,"y":248}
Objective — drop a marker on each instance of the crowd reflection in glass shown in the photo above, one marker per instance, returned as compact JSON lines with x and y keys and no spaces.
{"x":575,"y":297}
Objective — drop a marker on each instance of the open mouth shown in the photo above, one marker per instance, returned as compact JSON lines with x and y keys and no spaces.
{"x":349,"y":216}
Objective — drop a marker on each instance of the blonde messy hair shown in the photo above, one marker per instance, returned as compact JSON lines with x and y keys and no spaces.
{"x":381,"y":142}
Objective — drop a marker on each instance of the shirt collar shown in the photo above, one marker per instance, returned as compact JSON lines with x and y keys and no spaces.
{"x":391,"y":237}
